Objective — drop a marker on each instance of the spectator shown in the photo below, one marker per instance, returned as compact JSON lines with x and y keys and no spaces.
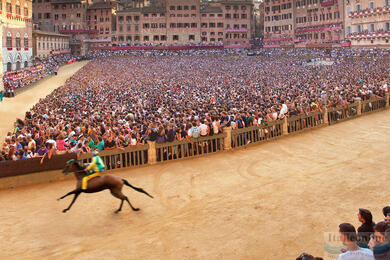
{"x":380,"y":241}
{"x":348,"y":237}
{"x":386,"y":213}
{"x":366,"y":229}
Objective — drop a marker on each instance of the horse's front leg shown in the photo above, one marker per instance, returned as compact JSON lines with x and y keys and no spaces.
{"x":67,"y":194}
{"x":74,"y":199}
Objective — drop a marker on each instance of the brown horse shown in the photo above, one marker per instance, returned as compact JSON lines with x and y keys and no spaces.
{"x":97,"y":184}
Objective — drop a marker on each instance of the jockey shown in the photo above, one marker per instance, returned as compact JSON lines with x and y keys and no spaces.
{"x":93,"y":170}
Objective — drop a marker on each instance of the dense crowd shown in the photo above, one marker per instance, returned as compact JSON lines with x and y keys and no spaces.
{"x":39,"y":69}
{"x":116,"y":102}
{"x":371,"y":241}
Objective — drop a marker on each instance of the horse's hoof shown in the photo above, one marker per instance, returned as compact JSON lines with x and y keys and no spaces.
{"x":64,"y":211}
{"x":136,"y":209}
{"x":117,"y":211}
{"x":58,"y":199}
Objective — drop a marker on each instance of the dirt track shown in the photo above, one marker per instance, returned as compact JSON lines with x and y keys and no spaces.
{"x":270,"y":201}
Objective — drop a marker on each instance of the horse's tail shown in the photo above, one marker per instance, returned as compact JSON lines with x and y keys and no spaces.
{"x":125,"y":182}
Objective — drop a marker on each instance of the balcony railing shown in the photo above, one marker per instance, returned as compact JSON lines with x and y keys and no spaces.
{"x":368,"y":35}
{"x":78,"y":31}
{"x":320,"y":29}
{"x":242,"y":30}
{"x":278,"y":39}
{"x":368,"y":12}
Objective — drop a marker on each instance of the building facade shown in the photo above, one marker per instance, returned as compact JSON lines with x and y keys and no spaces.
{"x":183,"y":22}
{"x":16,"y":32}
{"x":304,"y":23}
{"x":367,"y":23}
{"x":49,"y":43}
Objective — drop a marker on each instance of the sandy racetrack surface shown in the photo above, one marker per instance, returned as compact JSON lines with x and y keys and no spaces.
{"x":270,"y":201}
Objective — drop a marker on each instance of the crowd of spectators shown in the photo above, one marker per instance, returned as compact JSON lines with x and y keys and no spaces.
{"x":116,"y":102}
{"x":39,"y":69}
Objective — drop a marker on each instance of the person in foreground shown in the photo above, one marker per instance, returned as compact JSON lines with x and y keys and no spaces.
{"x":348,"y":237}
{"x":380,"y":241}
{"x":94,"y":169}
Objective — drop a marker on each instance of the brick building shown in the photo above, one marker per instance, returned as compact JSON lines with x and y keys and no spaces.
{"x":304,"y":23}
{"x":183,"y":22}
{"x":16,"y":33}
{"x":49,"y":43}
{"x":367,"y":23}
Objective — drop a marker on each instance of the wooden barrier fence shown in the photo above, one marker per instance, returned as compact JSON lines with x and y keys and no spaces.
{"x":256,"y":134}
{"x":152,"y":152}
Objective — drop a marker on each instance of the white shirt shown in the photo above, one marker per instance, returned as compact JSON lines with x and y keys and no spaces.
{"x":203,"y":129}
{"x":361,"y":254}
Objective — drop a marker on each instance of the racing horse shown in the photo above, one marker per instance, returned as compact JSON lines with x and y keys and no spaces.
{"x":97,"y":184}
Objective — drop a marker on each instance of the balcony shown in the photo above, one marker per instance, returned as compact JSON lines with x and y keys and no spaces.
{"x":320,"y":29}
{"x":281,"y":39}
{"x":236,"y":30}
{"x":369,"y":12}
{"x":328,"y":3}
{"x":368,"y":35}
{"x":80,"y":31}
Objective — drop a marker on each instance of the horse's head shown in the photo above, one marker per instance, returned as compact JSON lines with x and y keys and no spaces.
{"x":72,"y":166}
{"x":68,"y":167}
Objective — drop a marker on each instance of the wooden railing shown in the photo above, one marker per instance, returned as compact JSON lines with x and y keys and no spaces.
{"x":154,"y":153}
{"x":339,"y":114}
{"x":373,"y":104}
{"x":255,"y":134}
{"x":176,"y":150}
{"x":305,"y":121}
{"x":128,"y":157}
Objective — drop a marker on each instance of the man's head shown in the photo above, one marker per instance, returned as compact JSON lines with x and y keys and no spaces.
{"x":386,"y":213}
{"x":382,"y":232}
{"x":347,"y":233}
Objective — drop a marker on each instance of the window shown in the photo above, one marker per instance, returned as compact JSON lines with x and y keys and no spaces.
{"x":185,"y":7}
{"x":128,"y":38}
{"x":163,"y":25}
{"x":47,"y":15}
{"x":64,"y":16}
{"x":179,"y":7}
{"x":156,"y":38}
{"x":56,"y":17}
{"x":163,"y":37}
{"x":9,"y":42}
{"x":9,"y":8}
{"x":128,"y":19}
{"x":146,"y":38}
{"x":18,"y":9}
{"x":212,"y":25}
{"x":175,"y":37}
{"x":193,"y":7}
{"x":191,"y":37}
{"x":172,"y":25}
{"x":243,"y":16}
{"x":371,"y":5}
{"x":145,"y":26}
{"x":128,"y":28}
{"x":194,"y":25}
{"x":220,"y":25}
{"x":172,"y":8}
{"x":17,"y":42}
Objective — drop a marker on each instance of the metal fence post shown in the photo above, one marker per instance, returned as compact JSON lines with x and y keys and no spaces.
{"x":387,"y":96}
{"x":152,"y":155}
{"x":326,"y":119}
{"x":285,"y":126}
{"x":228,"y":138}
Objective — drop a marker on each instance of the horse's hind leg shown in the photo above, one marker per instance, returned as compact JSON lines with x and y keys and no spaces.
{"x":119,"y":195}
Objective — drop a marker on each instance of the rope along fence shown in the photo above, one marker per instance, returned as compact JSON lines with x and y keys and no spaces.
{"x":152,"y":152}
